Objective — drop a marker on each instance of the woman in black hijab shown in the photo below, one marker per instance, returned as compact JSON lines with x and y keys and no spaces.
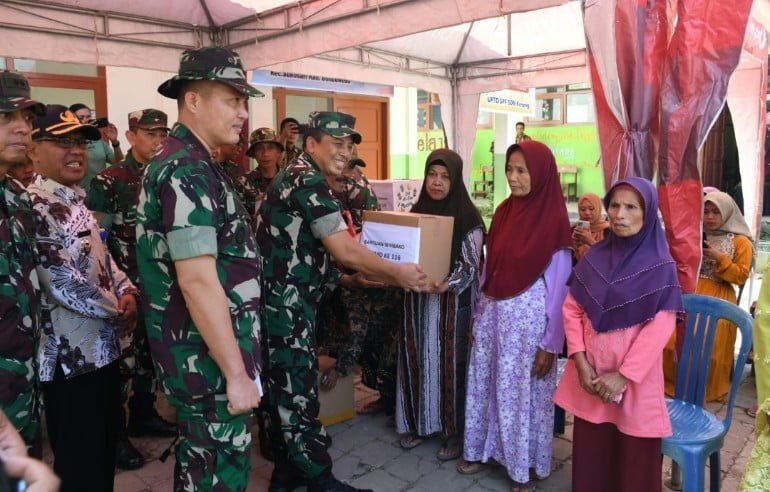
{"x":433,"y":344}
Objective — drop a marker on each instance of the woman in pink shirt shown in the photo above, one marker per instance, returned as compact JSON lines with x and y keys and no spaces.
{"x":620,"y":312}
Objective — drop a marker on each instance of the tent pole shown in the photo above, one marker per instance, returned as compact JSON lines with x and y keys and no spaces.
{"x":455,"y":105}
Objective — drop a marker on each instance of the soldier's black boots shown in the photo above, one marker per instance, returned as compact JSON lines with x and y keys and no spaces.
{"x":127,"y":457}
{"x":330,"y":484}
{"x":143,"y":419}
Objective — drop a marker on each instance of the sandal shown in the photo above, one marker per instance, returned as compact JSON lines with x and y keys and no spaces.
{"x":469,"y":467}
{"x":523,"y":487}
{"x":410,"y":441}
{"x":370,"y":407}
{"x":752,"y":411}
{"x":449,"y":450}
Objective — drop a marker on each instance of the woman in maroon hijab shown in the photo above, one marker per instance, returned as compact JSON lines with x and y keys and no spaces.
{"x":518,"y":324}
{"x":621,"y":310}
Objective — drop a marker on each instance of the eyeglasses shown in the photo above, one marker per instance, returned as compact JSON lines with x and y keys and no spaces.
{"x":66,"y":143}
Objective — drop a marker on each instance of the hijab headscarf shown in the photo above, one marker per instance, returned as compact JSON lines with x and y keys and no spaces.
{"x":526,"y":231}
{"x":456,"y":204}
{"x":598,"y":224}
{"x":732,"y":218}
{"x":625,"y":281}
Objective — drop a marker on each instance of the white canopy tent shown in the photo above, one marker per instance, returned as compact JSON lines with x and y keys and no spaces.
{"x":456,"y":48}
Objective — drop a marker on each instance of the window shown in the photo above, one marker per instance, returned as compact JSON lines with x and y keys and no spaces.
{"x":40,"y":66}
{"x":485,"y":119}
{"x":580,"y":108}
{"x":571,"y":104}
{"x":428,"y":111}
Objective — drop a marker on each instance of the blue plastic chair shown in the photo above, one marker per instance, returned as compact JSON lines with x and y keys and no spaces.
{"x":697,"y":433}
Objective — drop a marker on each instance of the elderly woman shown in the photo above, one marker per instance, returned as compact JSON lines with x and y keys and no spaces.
{"x":727,"y":256}
{"x":591,"y":229}
{"x":518,"y":326}
{"x":621,"y":309}
{"x":433,"y":345}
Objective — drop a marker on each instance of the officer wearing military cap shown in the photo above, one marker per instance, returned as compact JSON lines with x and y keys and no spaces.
{"x":112,"y":197}
{"x":88,"y":306}
{"x":200,"y":275}
{"x":19,"y":287}
{"x":300,"y":225}
{"x":265,"y":147}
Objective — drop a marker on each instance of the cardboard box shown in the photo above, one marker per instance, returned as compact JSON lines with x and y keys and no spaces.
{"x":396,"y":195}
{"x":403,"y":237}
{"x":337,"y":404}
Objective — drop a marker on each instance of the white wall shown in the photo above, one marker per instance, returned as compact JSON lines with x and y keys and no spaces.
{"x":131,"y":89}
{"x":402,"y":121}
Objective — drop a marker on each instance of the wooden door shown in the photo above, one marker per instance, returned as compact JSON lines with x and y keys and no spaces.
{"x":371,"y":122}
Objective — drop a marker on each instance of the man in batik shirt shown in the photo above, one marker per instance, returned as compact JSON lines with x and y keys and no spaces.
{"x":87,"y":305}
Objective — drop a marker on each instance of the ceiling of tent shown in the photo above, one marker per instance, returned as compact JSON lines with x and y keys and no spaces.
{"x":150,"y":33}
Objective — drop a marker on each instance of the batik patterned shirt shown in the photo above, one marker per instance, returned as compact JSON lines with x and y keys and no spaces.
{"x":81,"y":283}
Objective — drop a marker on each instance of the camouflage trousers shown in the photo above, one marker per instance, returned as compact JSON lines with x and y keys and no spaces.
{"x":136,"y":371}
{"x":294,"y":410}
{"x":24,"y":413}
{"x":20,"y":399}
{"x":213,"y":450}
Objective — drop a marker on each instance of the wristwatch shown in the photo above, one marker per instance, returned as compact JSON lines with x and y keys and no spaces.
{"x":116,"y":143}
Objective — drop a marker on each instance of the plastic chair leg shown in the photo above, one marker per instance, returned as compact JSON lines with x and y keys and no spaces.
{"x":715,"y":473}
{"x":694,"y":471}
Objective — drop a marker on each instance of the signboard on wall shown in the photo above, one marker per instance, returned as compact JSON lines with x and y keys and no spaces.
{"x":318,"y":83}
{"x":508,"y":101}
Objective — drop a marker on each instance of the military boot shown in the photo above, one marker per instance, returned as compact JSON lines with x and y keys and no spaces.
{"x":285,"y":477}
{"x":127,"y":457}
{"x":327,"y":483}
{"x":143,"y":419}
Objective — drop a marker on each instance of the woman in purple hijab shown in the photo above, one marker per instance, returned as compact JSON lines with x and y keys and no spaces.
{"x":621,"y":310}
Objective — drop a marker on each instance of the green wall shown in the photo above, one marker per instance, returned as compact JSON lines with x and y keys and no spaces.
{"x":573,"y":145}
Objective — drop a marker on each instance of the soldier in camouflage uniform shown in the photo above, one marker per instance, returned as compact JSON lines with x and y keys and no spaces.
{"x":112,"y":198}
{"x":300,"y":224}
{"x":289,"y":132}
{"x":224,"y":156}
{"x":200,"y":274}
{"x":19,"y":287}
{"x":268,"y":151}
{"x":364,"y":322}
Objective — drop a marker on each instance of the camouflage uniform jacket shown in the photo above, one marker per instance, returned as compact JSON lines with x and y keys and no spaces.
{"x":259,"y":184}
{"x":299,"y":210}
{"x":356,"y":197}
{"x":187,"y":209}
{"x":289,"y":154}
{"x":19,"y":293}
{"x":81,"y":283}
{"x":242,"y":186}
{"x":114,"y":192}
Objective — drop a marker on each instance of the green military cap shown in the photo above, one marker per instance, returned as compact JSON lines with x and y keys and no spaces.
{"x":15,"y":94}
{"x":336,"y":124}
{"x":262,"y":135}
{"x":210,"y":63}
{"x":58,"y":122}
{"x":149,"y":119}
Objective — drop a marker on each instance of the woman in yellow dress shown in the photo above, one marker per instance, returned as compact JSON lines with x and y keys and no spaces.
{"x":727,"y":255}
